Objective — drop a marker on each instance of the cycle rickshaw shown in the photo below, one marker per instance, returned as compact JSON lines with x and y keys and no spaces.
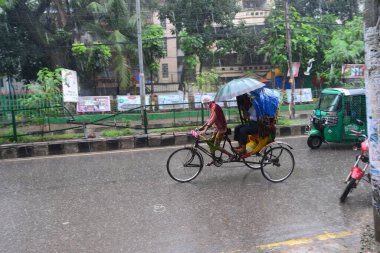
{"x":273,"y":158}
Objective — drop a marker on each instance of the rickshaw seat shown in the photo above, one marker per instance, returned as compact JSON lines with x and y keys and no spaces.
{"x":266,"y":134}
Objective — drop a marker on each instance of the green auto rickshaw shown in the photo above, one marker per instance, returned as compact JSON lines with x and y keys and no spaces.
{"x":336,"y":114}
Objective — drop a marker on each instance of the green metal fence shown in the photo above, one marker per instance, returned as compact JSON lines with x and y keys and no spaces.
{"x":19,"y":123}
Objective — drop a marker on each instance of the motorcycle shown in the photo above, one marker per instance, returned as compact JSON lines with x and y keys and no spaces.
{"x":357,"y":173}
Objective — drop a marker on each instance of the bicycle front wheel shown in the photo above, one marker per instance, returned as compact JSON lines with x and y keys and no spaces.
{"x":184,"y":164}
{"x":277,"y":164}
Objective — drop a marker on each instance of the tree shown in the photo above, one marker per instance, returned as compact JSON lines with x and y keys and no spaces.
{"x":191,"y":47}
{"x":200,"y":19}
{"x":304,"y":42}
{"x":153,"y":46}
{"x":344,"y":9}
{"x":347,"y":44}
{"x":207,"y":81}
{"x":43,"y":41}
{"x":372,"y":48}
{"x":91,"y":60}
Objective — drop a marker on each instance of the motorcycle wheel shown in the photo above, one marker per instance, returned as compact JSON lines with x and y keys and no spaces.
{"x":351,"y":184}
{"x":314,"y":142}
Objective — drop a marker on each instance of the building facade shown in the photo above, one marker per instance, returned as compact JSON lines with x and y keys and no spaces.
{"x":253,"y":13}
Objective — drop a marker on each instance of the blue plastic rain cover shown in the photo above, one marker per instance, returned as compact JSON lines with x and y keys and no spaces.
{"x":265,"y":101}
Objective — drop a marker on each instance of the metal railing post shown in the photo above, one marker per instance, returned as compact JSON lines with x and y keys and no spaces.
{"x":14,"y":125}
{"x":202,"y":114}
{"x":173,"y":116}
{"x":145,"y":121}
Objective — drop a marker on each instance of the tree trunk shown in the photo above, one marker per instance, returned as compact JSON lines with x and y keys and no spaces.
{"x":372,"y":81}
{"x":62,"y":16}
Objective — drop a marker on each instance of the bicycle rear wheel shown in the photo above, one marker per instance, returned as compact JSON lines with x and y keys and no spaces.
{"x":253,"y":161}
{"x":184,"y":164}
{"x":277,"y":164}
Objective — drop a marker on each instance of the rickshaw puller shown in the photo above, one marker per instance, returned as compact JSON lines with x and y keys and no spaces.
{"x":217,"y":120}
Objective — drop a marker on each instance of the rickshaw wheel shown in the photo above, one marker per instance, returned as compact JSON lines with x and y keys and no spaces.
{"x":314,"y":142}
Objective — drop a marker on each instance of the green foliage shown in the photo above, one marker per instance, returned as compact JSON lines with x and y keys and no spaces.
{"x":32,"y":138}
{"x":207,"y":81}
{"x":347,"y":44}
{"x":116,"y":133}
{"x":197,"y":18}
{"x":46,"y":96}
{"x":303,"y":39}
{"x":191,"y":47}
{"x":153,"y":45}
{"x":344,"y":9}
{"x":94,"y":58}
{"x":120,"y":64}
{"x":47,"y":89}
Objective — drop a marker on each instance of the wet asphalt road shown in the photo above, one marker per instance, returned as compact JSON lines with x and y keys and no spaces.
{"x":124,"y":201}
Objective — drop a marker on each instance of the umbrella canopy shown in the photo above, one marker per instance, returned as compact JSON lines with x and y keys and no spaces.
{"x":236,"y":88}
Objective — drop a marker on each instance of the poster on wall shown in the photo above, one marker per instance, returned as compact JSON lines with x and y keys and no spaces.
{"x":94,"y":104}
{"x":69,"y":85}
{"x":125,"y":103}
{"x":300,"y":95}
{"x":172,"y":102}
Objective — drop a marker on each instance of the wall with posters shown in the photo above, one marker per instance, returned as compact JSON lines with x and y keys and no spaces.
{"x":94,"y":104}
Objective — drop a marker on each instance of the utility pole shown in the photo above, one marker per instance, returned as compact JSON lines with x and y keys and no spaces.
{"x":372,"y":81}
{"x":292,"y":110}
{"x":141,"y":65}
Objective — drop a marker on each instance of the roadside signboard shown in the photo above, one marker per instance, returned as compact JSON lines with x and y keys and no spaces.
{"x":69,"y":85}
{"x":125,"y":103}
{"x":353,"y":71}
{"x":168,"y":101}
{"x":94,"y":104}
{"x":300,"y":95}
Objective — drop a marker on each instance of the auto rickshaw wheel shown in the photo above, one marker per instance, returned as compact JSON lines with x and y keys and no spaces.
{"x":314,"y":142}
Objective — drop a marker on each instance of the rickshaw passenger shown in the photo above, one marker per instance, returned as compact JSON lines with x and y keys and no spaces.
{"x":250,"y":128}
{"x":219,"y":122}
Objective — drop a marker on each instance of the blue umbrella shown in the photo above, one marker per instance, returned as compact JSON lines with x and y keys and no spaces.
{"x":236,"y":88}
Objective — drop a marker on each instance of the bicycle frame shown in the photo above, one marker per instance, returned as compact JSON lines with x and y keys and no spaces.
{"x":207,"y":152}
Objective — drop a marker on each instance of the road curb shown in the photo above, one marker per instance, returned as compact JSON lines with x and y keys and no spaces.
{"x":23,"y":150}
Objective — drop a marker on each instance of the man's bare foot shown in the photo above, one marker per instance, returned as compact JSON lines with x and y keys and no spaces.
{"x":241,"y":151}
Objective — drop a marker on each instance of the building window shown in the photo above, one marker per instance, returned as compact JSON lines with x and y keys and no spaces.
{"x":248,"y":4}
{"x":165,"y":70}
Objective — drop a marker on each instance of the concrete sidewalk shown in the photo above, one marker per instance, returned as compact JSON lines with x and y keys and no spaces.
{"x":21,"y":150}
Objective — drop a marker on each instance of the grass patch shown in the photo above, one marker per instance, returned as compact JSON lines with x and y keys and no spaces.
{"x":171,"y":129}
{"x":116,"y":132}
{"x":47,"y":137}
{"x":286,"y":122}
